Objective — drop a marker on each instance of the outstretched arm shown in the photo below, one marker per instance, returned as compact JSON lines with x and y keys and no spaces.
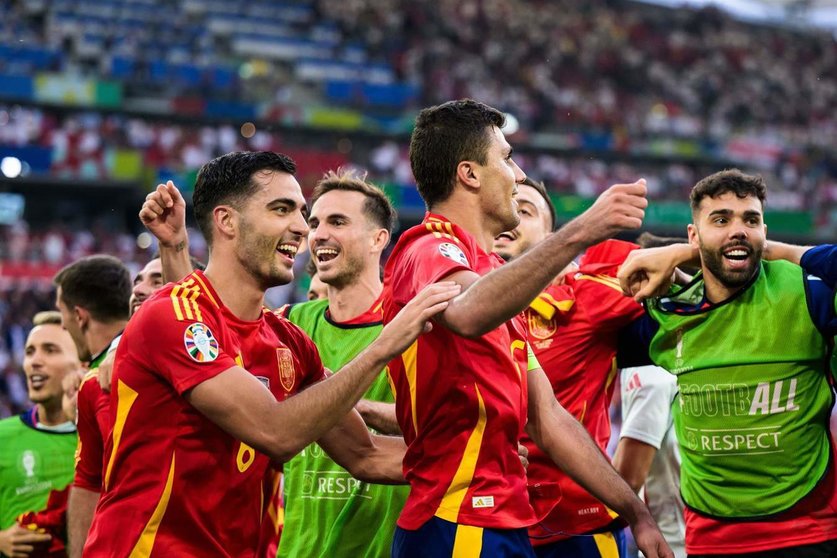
{"x":237,"y":402}
{"x":488,"y":301}
{"x":379,"y":416}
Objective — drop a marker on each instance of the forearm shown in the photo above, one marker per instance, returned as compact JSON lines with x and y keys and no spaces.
{"x":80,"y":508}
{"x":632,"y":461}
{"x":384,"y":464}
{"x":316,"y":410}
{"x":505,"y":292}
{"x":175,"y":260}
{"x":379,"y":416}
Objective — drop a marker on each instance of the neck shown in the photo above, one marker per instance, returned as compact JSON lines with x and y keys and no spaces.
{"x":50,"y":413}
{"x":350,"y":301}
{"x":238,"y":290}
{"x":463,"y":210}
{"x":714,"y":290}
{"x":99,"y":335}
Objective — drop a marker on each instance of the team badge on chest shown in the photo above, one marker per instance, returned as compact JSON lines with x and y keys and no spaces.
{"x":539,"y":327}
{"x":200,"y":344}
{"x":287,"y":374}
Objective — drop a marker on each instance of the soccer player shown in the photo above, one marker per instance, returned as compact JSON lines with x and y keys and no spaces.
{"x":36,"y":447}
{"x":93,"y":297}
{"x":210,"y":386}
{"x":572,"y":327}
{"x":466,"y":390}
{"x":748,"y":341}
{"x":328,"y":514}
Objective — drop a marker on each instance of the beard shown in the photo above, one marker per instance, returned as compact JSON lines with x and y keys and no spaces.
{"x":344,"y":275}
{"x":257,"y":255}
{"x":714,"y":262}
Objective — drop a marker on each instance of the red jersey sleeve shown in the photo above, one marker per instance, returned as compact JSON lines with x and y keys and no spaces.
{"x":612,"y":309}
{"x":185,"y":352}
{"x":424,"y":261}
{"x":93,"y":428}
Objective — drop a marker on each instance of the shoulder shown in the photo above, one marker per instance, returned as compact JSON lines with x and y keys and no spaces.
{"x":294,"y":312}
{"x":178,"y":302}
{"x":10,"y":424}
{"x":287,"y":331}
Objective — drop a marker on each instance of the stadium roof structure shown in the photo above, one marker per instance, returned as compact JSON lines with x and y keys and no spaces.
{"x":799,"y":13}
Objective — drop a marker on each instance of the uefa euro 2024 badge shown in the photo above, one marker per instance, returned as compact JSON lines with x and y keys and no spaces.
{"x":200,"y":344}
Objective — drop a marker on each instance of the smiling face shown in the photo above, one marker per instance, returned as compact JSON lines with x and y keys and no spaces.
{"x":48,"y":356}
{"x":270,"y":228}
{"x":730,"y":233}
{"x":498,"y":179}
{"x":344,"y":241}
{"x":534,"y":226}
{"x":147,"y":282}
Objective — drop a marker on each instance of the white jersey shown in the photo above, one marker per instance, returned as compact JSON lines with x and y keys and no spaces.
{"x":648,"y":393}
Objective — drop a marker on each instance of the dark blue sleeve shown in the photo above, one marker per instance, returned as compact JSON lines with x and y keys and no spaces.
{"x":634,"y":340}
{"x":821,"y":304}
{"x":821,"y":261}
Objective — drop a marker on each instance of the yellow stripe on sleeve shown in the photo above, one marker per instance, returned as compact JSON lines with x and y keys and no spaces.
{"x":126,"y":397}
{"x":410,"y":358}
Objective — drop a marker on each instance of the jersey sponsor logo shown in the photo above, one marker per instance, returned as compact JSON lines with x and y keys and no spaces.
{"x":712,"y":400}
{"x":453,"y":252}
{"x":201,"y":345}
{"x":482,"y":502}
{"x":287,"y":375}
{"x":539,"y":327}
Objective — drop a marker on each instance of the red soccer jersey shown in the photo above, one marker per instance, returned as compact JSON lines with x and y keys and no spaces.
{"x":573,"y":330}
{"x":94,"y":422}
{"x":461,"y":403}
{"x":176,"y":484}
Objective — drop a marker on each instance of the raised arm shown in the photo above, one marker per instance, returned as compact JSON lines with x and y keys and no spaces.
{"x":164,"y":215}
{"x":488,"y":301}
{"x":379,"y":416}
{"x":566,"y":442}
{"x":237,"y":402}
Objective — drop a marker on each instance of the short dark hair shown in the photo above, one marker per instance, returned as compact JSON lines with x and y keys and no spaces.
{"x":444,"y":136}
{"x":228,"y":180}
{"x":100,"y":284}
{"x":540,"y":188}
{"x":729,"y":180}
{"x":651,"y":240}
{"x":377,"y":206}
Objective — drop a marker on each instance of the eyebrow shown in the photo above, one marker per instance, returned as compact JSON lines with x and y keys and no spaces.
{"x":728,"y":212}
{"x":45,"y":344}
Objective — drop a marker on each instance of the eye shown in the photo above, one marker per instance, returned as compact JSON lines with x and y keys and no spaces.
{"x":282,"y":210}
{"x":720,"y":220}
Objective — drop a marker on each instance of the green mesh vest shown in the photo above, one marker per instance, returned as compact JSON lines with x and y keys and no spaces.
{"x":754,"y":395}
{"x":328,"y":513}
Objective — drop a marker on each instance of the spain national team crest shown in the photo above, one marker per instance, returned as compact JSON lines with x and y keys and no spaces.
{"x":287,"y":375}
{"x":453,"y":252}
{"x":539,"y":327}
{"x":201,"y":345}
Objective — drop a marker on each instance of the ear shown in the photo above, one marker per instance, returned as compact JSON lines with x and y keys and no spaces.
{"x":380,"y":240}
{"x":694,"y":235}
{"x":226,"y":220}
{"x":82,"y":317}
{"x":467,"y":173}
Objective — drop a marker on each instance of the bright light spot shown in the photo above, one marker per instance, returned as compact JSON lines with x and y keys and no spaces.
{"x":248,"y":130}
{"x":144,"y":240}
{"x":512,"y":124}
{"x":11,"y":167}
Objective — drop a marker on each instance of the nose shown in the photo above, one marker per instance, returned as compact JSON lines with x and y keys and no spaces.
{"x":299,"y":225}
{"x":141,"y":290}
{"x":318,"y":233}
{"x":519,"y":175}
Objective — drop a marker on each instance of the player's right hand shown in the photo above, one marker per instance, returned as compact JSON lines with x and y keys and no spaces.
{"x":619,"y":208}
{"x":19,"y":542}
{"x":414,"y":318}
{"x":650,"y":272}
{"x":164,"y":215}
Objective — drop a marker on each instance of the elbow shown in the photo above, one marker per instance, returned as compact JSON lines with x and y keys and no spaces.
{"x":470,"y":328}
{"x":280,"y":447}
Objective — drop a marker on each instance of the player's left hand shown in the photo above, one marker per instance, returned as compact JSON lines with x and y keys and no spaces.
{"x":69,"y":401}
{"x":523,"y":454}
{"x":105,"y":371}
{"x":649,"y":540}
